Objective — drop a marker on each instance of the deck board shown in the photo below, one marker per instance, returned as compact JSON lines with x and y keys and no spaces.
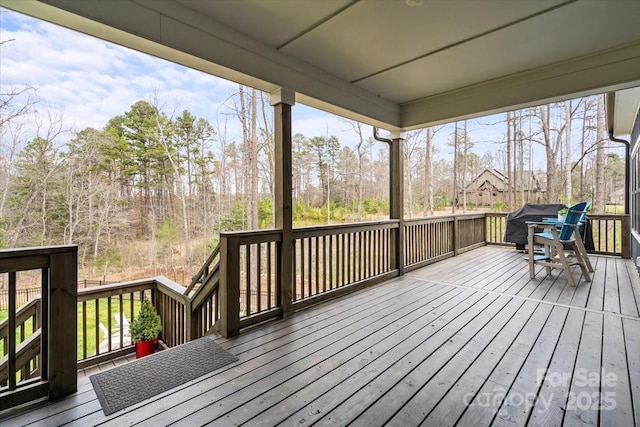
{"x":429,"y":394}
{"x":452,"y":405}
{"x":615,"y":393}
{"x":628,"y":302}
{"x":324,"y":360}
{"x":483,"y":406}
{"x":459,"y":342}
{"x":631,"y":331}
{"x":550,"y":403}
{"x":525,"y":388}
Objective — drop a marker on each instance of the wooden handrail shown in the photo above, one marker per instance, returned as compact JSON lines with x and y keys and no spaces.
{"x":171,"y":288}
{"x":254,"y":236}
{"x":443,"y":218}
{"x":211,"y":284}
{"x":27,"y":311}
{"x":95,"y":292}
{"x":25,"y":352}
{"x":200,"y":276}
{"x":333,"y":229}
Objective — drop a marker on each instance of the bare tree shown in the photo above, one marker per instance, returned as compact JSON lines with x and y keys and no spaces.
{"x":253,"y":159}
{"x":38,"y":164}
{"x":465,"y":152}
{"x":599,"y":200}
{"x":567,"y":152}
{"x":454,"y":196}
{"x":428,"y":170}
{"x":413,"y":157}
{"x":360,"y":151}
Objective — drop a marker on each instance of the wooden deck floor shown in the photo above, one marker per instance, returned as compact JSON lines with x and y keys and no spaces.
{"x":469,"y":341}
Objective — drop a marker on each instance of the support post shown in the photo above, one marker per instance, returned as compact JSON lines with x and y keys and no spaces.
{"x":63,"y":320}
{"x":282,"y":100}
{"x":626,"y":236}
{"x":193,"y":320}
{"x":456,"y":235}
{"x":229,"y":286}
{"x":396,"y":194}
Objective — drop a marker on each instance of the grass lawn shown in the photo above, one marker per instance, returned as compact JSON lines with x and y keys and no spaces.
{"x":103,"y":316}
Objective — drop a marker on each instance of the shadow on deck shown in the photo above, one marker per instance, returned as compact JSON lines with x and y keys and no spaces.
{"x":471,"y":340}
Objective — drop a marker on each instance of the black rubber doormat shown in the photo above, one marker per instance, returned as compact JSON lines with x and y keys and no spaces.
{"x":141,"y":379}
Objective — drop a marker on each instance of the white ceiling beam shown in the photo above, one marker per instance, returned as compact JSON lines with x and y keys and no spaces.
{"x":605,"y":71}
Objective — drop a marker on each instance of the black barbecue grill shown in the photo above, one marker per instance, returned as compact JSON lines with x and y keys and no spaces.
{"x":516,"y":231}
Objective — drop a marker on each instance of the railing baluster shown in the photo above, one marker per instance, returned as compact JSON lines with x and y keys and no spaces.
{"x":302,"y":268}
{"x":259,"y":279}
{"x":84,"y":329}
{"x":247,"y":276}
{"x":270,"y":279}
{"x":109,"y":324}
{"x":132,"y":298}
{"x":343,"y":260}
{"x":309,"y":268}
{"x":12,"y":330}
{"x":323,"y":241}
{"x":97,"y":340}
{"x":121,"y":311}
{"x":316,"y":257}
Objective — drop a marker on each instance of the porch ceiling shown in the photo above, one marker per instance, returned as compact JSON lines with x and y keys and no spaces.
{"x":394,"y":64}
{"x":622,"y":108}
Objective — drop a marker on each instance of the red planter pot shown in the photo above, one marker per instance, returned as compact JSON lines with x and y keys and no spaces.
{"x":145,"y":348}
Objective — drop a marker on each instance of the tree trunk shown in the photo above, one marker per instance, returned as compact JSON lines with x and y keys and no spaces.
{"x":567,"y":152}
{"x":464,"y":169}
{"x":408,"y":173}
{"x":582,"y":148}
{"x":550,"y":153}
{"x":600,"y":178}
{"x":509,"y":172}
{"x":246,"y":156}
{"x":254,"y":223}
{"x":521,"y":160}
{"x":513,"y":180}
{"x":428,"y":195}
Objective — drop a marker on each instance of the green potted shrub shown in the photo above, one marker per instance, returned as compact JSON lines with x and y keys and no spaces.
{"x":145,"y":329}
{"x":562,"y":214}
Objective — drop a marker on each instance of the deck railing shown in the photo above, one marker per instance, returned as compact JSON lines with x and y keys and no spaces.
{"x":104,"y":314}
{"x":249,"y":274}
{"x":38,"y":340}
{"x":496,"y":228}
{"x":328,"y":259}
{"x":428,"y":240}
{"x":611,"y":233}
{"x":240,"y":281}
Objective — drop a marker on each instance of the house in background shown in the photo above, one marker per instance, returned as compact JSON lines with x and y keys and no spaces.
{"x":492,"y":185}
{"x":616,"y":197}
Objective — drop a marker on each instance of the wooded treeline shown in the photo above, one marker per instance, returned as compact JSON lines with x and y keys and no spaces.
{"x":153,"y":187}
{"x":580,"y":163}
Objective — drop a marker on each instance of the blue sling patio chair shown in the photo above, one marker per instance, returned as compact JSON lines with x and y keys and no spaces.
{"x":554,"y":238}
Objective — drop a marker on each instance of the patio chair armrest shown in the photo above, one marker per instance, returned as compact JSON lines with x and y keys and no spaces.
{"x":540,"y":224}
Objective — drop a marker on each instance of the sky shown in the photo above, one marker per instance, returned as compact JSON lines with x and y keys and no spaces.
{"x":88,"y":81}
